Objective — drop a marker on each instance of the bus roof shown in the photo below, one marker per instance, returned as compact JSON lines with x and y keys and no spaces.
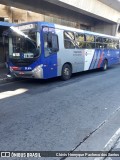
{"x":85,"y":32}
{"x":77,"y":30}
{"x":68,"y":29}
{"x":6,"y":24}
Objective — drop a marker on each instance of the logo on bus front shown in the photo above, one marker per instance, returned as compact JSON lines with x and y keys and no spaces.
{"x":28,"y":68}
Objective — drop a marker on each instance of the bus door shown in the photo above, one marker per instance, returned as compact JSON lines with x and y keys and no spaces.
{"x":50,"y":55}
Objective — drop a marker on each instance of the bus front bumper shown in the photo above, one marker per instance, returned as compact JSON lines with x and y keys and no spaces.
{"x":36,"y":73}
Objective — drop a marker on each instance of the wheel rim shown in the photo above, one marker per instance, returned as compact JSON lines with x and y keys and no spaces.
{"x":66,"y":72}
{"x":105,"y":66}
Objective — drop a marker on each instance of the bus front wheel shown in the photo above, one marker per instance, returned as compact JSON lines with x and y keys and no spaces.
{"x":105,"y":65}
{"x":66,"y":72}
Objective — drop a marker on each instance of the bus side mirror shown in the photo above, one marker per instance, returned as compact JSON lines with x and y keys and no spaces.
{"x":49,"y":37}
{"x":55,"y":46}
{"x":53,"y":42}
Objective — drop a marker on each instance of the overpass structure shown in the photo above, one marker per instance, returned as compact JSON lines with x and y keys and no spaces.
{"x":97,"y":15}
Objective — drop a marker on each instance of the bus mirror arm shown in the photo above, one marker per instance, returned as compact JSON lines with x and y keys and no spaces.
{"x":3,"y":40}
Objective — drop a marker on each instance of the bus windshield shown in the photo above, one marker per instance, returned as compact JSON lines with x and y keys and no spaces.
{"x":26,"y":43}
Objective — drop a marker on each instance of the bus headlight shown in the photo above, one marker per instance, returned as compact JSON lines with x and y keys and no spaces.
{"x":37,"y":69}
{"x":38,"y":72}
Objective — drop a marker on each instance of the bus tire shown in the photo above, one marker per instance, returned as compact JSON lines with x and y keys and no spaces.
{"x":66,"y":72}
{"x":105,"y":65}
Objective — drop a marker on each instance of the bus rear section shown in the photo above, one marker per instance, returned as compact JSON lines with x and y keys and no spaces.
{"x":83,"y":50}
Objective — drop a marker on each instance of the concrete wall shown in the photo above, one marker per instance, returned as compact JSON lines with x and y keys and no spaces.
{"x":105,"y":28}
{"x":72,"y":19}
{"x":94,"y":8}
{"x":16,"y":15}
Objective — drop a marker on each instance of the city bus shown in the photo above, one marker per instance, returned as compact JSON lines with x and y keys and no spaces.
{"x":44,"y":50}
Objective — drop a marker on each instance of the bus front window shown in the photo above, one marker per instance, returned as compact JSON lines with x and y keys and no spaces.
{"x":26,"y":43}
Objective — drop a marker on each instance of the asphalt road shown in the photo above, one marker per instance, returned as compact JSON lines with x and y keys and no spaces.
{"x":54,"y":115}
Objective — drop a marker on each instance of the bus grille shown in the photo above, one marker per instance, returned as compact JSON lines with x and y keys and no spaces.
{"x":22,"y":63}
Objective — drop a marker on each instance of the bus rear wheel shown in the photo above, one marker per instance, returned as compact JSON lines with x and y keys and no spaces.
{"x":105,"y":65}
{"x":66,"y":72}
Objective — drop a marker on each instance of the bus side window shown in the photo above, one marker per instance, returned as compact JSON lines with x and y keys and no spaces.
{"x":90,"y":41}
{"x":99,"y":42}
{"x":80,"y":40}
{"x":69,"y":40}
{"x":106,"y":43}
{"x":115,"y":44}
{"x":110,"y":43}
{"x":118,"y":45}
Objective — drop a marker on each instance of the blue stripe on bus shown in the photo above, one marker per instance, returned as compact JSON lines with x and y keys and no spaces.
{"x":92,"y":62}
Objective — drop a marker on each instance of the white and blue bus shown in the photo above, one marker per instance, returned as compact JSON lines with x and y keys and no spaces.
{"x":44,"y":50}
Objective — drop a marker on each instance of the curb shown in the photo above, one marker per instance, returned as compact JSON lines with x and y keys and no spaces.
{"x":111,"y":143}
{"x":6,"y":80}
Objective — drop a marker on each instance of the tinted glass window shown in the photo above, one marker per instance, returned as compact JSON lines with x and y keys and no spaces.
{"x":99,"y":40}
{"x":90,"y":41}
{"x":69,"y":36}
{"x":80,"y":37}
{"x":80,"y":40}
{"x":115,"y":44}
{"x":90,"y":45}
{"x":69,"y":44}
{"x":105,"y":40}
{"x":99,"y":45}
{"x":69,"y":40}
{"x":90,"y":38}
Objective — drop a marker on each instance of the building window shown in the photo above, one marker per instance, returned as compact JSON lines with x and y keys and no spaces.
{"x":85,"y":27}
{"x":16,"y":21}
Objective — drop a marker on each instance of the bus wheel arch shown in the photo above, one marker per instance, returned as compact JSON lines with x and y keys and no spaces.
{"x":105,"y":65}
{"x":66,"y":71}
